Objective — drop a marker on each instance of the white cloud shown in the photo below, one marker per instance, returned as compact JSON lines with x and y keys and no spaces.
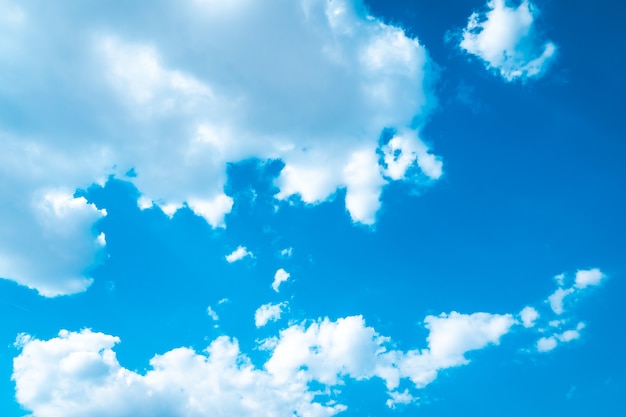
{"x":403,"y":397}
{"x":212,"y":313}
{"x":405,"y":150}
{"x":506,"y":39}
{"x":158,"y":102}
{"x":268,"y":312}
{"x":287,"y":252}
{"x":556,"y":299}
{"x":77,"y":373}
{"x":238,"y":254}
{"x":279,"y":277}
{"x":528,"y":316}
{"x":585,"y":278}
{"x":546,"y":344}
{"x":47,"y":242}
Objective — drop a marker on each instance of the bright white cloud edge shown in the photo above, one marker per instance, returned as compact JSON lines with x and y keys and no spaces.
{"x":156,"y":103}
{"x":238,"y":254}
{"x":506,"y":40}
{"x":279,"y":277}
{"x":77,"y":373}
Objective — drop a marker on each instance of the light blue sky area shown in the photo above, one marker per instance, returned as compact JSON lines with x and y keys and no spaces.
{"x":417,"y":198}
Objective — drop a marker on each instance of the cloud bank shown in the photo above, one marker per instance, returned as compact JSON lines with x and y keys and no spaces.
{"x":310,"y":82}
{"x":506,"y":39}
{"x":78,"y":374}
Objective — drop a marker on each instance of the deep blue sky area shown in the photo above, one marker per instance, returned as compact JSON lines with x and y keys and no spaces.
{"x":533,"y":185}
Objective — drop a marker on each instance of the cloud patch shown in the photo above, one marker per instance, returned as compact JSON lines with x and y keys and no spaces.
{"x":268,"y":312}
{"x":279,"y":277}
{"x":238,"y":254}
{"x":77,"y":373}
{"x":161,"y":104}
{"x":506,"y":39}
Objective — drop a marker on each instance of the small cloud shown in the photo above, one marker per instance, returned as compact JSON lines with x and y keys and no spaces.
{"x":238,"y":254}
{"x":101,"y":239}
{"x":280,"y":277}
{"x":506,"y":39}
{"x":268,"y":312}
{"x":528,"y":316}
{"x":585,"y":278}
{"x":556,"y":299}
{"x":212,"y":314}
{"x":403,"y":398}
{"x":546,"y":344}
{"x":287,"y":252}
{"x":223,"y":301}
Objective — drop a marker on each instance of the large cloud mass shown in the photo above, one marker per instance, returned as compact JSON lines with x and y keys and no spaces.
{"x":176,"y":91}
{"x":78,"y":374}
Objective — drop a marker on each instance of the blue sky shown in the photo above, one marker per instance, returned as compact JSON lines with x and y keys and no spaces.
{"x":311,"y":208}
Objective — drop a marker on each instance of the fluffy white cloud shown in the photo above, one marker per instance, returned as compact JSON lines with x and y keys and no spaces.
{"x":584,"y":278}
{"x":238,"y":254}
{"x":279,"y":277}
{"x":591,"y":277}
{"x":548,"y":343}
{"x":77,"y":373}
{"x":310,"y":82}
{"x":506,"y":39}
{"x":403,"y":397}
{"x":47,"y":242}
{"x":268,"y":312}
{"x":528,"y":316}
{"x":557,"y":297}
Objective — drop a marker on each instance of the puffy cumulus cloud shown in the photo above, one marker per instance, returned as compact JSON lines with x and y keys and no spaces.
{"x":557,"y":297}
{"x":529,"y":315}
{"x":310,"y":82}
{"x":238,"y":254}
{"x":548,"y":343}
{"x":78,"y":374}
{"x":268,"y":312}
{"x":506,"y":39}
{"x":279,"y":277}
{"x":586,"y":278}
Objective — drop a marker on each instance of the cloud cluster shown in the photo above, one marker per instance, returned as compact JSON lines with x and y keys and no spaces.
{"x":554,"y":332}
{"x":77,"y":373}
{"x":310,"y":82}
{"x":506,"y":39}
